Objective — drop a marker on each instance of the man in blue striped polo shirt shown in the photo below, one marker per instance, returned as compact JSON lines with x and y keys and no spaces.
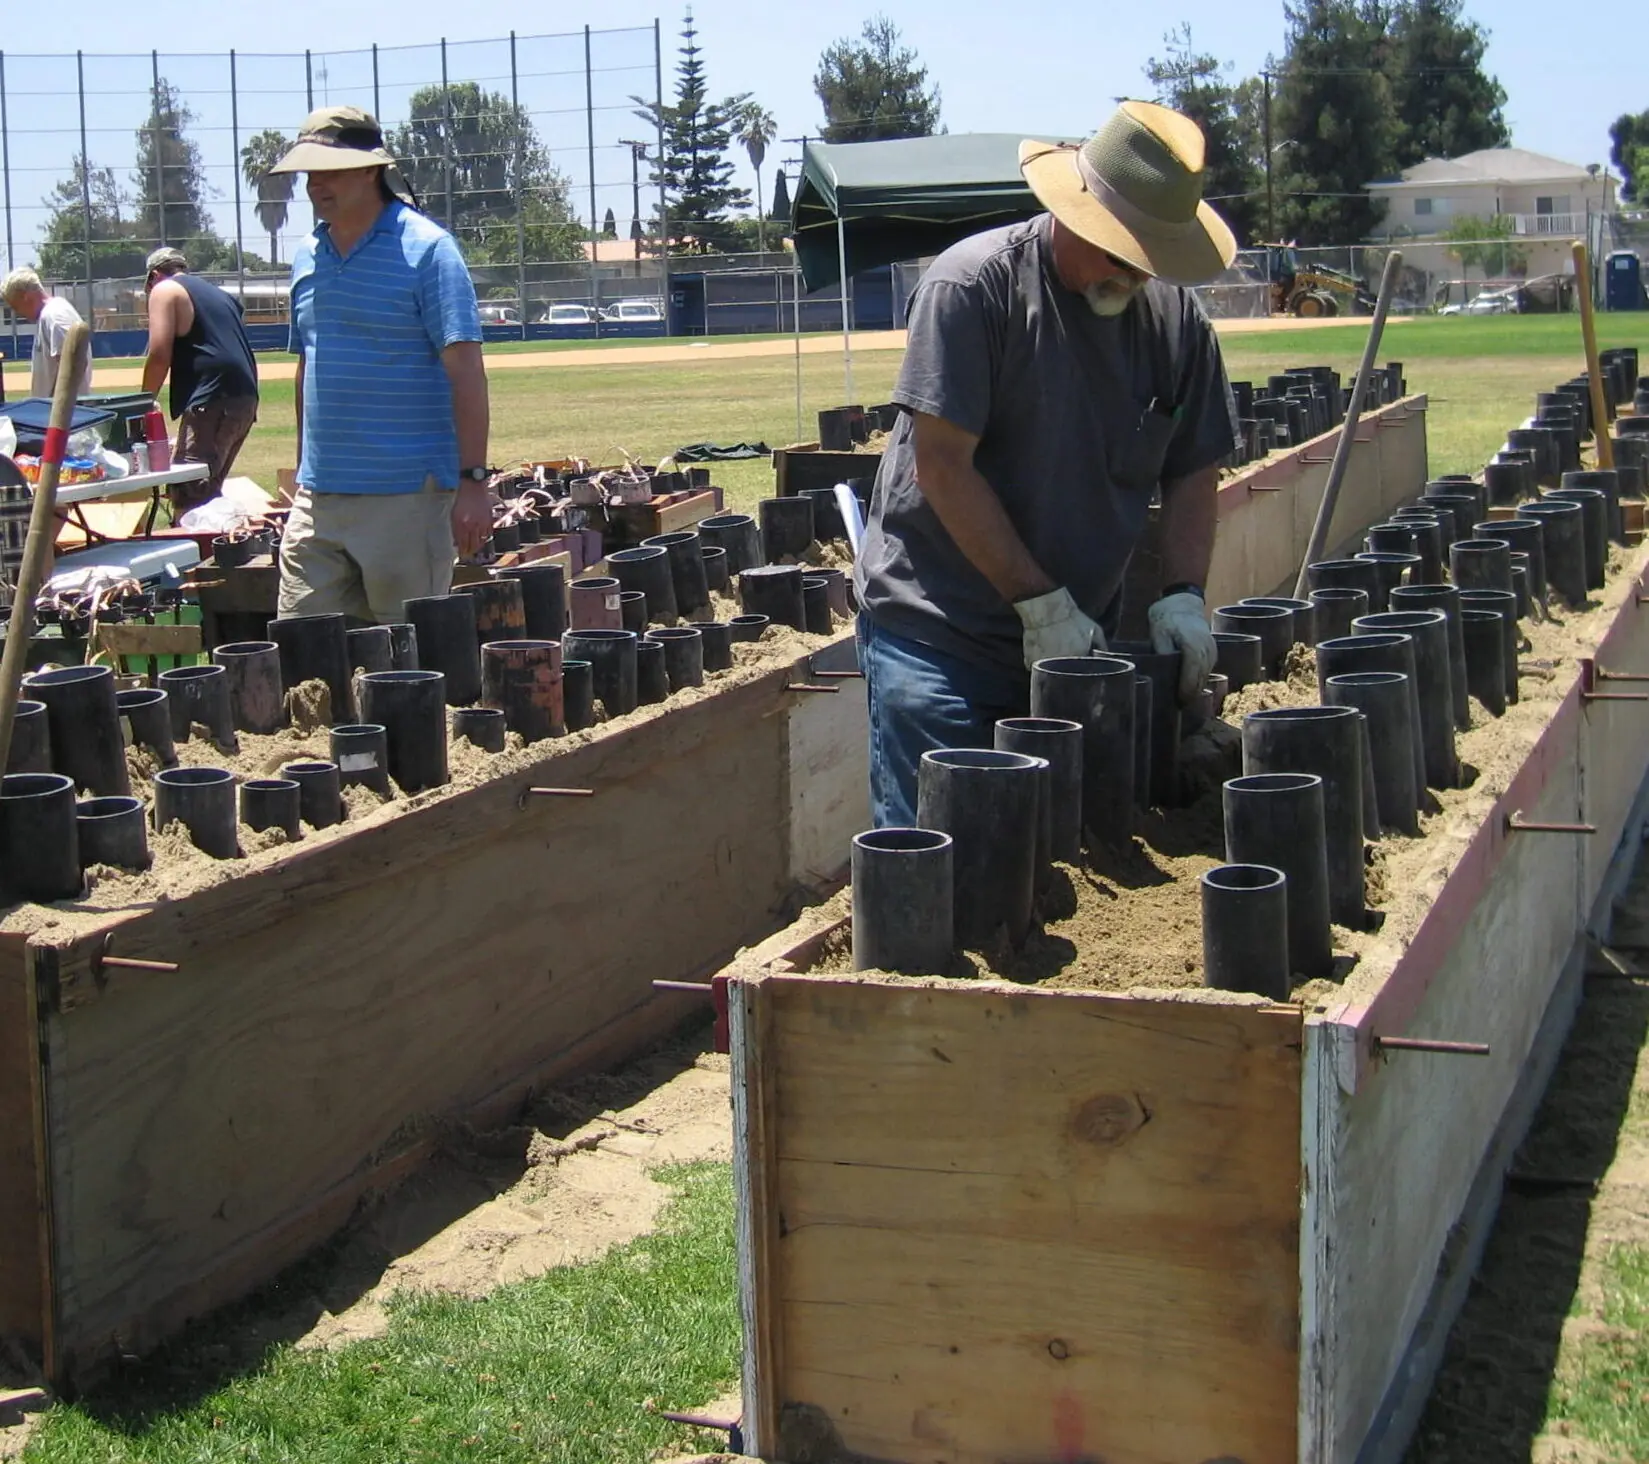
{"x":391,"y":392}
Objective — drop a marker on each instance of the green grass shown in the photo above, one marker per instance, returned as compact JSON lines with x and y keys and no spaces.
{"x":556,"y":1370}
{"x":1602,"y":1389}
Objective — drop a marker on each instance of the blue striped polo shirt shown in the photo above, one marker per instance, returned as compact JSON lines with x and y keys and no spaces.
{"x":377,"y":408}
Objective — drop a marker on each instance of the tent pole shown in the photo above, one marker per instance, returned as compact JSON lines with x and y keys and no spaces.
{"x":796,"y":303}
{"x":847,"y":339}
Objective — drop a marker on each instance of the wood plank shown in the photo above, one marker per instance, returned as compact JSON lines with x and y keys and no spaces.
{"x":25,"y":1237}
{"x":755,"y":1181}
{"x":828,"y":779}
{"x":1098,"y":1262}
{"x":134,"y":639}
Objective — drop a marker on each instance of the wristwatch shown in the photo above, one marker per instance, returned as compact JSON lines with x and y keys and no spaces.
{"x":474,"y":475}
{"x":1184,"y":587}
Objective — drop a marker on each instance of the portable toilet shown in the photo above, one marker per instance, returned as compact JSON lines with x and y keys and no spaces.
{"x":1622,"y":281}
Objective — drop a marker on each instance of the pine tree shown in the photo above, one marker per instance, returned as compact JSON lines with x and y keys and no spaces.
{"x":780,"y":212}
{"x":695,"y":171}
{"x":1233,"y":173}
{"x":873,"y":88}
{"x":1629,"y":152}
{"x":169,"y":181}
{"x":1334,"y":117}
{"x":1446,"y":104}
{"x":609,"y":226}
{"x":116,"y":251}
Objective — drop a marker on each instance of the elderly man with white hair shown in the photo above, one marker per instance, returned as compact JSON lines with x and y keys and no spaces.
{"x":52,"y":316}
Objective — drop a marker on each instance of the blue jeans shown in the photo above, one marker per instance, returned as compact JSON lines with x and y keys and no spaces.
{"x":920,"y":700}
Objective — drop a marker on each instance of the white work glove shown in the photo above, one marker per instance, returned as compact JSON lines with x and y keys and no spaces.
{"x":1180,"y":623}
{"x":1055,"y":627}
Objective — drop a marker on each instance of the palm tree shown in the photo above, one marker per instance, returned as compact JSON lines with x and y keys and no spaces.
{"x":274,"y":190}
{"x":756,"y":128}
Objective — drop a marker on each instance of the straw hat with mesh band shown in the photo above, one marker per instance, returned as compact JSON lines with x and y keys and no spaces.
{"x":335,"y":138}
{"x":1134,"y":189}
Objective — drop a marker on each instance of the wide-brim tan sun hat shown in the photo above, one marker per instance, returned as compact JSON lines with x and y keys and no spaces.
{"x":335,"y":138}
{"x":1134,"y":189}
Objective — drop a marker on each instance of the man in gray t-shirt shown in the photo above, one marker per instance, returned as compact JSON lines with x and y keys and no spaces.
{"x":1052,"y":384}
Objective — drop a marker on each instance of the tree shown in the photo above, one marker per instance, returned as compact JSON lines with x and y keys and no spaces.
{"x":116,"y":251}
{"x":609,"y":226}
{"x":757,"y":129}
{"x":694,"y":170}
{"x":780,"y":212}
{"x":873,"y":88}
{"x":1629,"y":152}
{"x":169,"y":179}
{"x":1233,"y":173}
{"x":1333,"y":115}
{"x":274,"y":190}
{"x":1446,"y":104}
{"x":1484,"y":243}
{"x":469,"y":155}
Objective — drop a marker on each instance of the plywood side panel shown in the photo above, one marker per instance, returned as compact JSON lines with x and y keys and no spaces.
{"x":1034,"y":1225}
{"x":313,"y":1029}
{"x":25,"y":1298}
{"x":828,"y":772}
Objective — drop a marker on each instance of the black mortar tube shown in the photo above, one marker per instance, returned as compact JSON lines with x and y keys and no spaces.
{"x":577,"y":693}
{"x":83,"y":723}
{"x":987,"y":802}
{"x":315,"y":648}
{"x":1563,"y":543}
{"x":1462,"y":506}
{"x":1245,"y":930}
{"x":1447,"y":599}
{"x":1345,"y":574}
{"x":1098,"y":693}
{"x":716,"y":640}
{"x":1384,"y":699}
{"x":1505,"y":603}
{"x":787,"y":527}
{"x":482,"y":727}
{"x":1328,"y":743}
{"x":271,"y":803}
{"x":1058,"y":742}
{"x":1521,"y":536}
{"x":1276,"y":819}
{"x":1303,"y":611}
{"x":320,"y":783}
{"x":683,"y":655}
{"x":361,"y":751}
{"x":748,"y":627}
{"x":1485,"y":658}
{"x":447,"y":645}
{"x":1429,"y":545}
{"x":684,"y":553}
{"x":500,"y":610}
{"x":1384,"y":651}
{"x":1548,"y":468}
{"x":371,"y":648}
{"x":1162,"y":673}
{"x":774,"y":590}
{"x":827,"y":515}
{"x":203,"y":801}
{"x":1429,"y":630}
{"x":145,"y":710}
{"x":1594,"y":521}
{"x":652,"y":682}
{"x":411,"y":708}
{"x":521,"y":680}
{"x":200,"y":694}
{"x":593,"y":603}
{"x":112,"y":831}
{"x":1238,"y":658}
{"x":1390,"y":538}
{"x":252,"y":670}
{"x":1441,"y":516}
{"x":816,"y":604}
{"x":1389,"y":569}
{"x":1272,"y":623}
{"x":1481,"y":564}
{"x":1335,"y":608}
{"x":903,"y":888}
{"x":1142,"y":742}
{"x":403,"y":644}
{"x":31,"y":744}
{"x":716,"y":578}
{"x":39,"y":842}
{"x":647,"y":568}
{"x":543,"y":600}
{"x":1504,"y":483}
{"x":738,"y":535}
{"x":1520,"y":585}
{"x":632,"y":609}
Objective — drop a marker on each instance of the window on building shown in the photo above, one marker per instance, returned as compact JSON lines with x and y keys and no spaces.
{"x":1422,"y":207}
{"x":1552,"y":204}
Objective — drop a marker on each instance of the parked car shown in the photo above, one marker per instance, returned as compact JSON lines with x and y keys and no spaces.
{"x":500,"y":315}
{"x":1493,"y":302}
{"x":634,"y":312}
{"x":566,"y":315}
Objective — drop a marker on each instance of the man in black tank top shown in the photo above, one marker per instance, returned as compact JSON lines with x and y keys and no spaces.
{"x":196,"y":334}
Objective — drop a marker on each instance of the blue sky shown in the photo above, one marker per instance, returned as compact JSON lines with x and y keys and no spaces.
{"x":1050,"y":68}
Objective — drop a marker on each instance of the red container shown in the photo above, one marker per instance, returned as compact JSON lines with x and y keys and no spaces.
{"x":160,"y":446}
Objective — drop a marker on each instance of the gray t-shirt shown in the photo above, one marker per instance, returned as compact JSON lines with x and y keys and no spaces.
{"x":1079,"y":420}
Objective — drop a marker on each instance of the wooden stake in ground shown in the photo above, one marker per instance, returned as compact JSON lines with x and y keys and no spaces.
{"x":1594,"y":373}
{"x":42,"y":531}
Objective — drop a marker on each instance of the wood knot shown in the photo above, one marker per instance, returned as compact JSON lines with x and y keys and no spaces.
{"x":1058,"y":1350}
{"x":1109,"y":1118}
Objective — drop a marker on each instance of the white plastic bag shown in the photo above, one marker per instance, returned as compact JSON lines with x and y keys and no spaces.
{"x":8,"y":438}
{"x":219,"y":515}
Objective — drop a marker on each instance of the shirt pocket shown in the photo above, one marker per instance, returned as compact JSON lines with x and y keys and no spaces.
{"x":1136,"y":463}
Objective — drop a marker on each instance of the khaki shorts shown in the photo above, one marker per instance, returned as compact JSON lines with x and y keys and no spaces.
{"x":364,"y":554}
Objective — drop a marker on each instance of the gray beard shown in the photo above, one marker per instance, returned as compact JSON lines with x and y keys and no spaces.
{"x":1107,"y":303}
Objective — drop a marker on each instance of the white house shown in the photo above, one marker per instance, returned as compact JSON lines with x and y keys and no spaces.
{"x":1549,"y":202}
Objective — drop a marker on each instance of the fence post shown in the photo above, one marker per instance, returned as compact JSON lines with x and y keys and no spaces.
{"x":446,"y":138}
{"x":5,"y":169}
{"x":589,"y":146}
{"x":160,"y":156}
{"x":520,"y":191}
{"x":85,"y":184}
{"x":308,"y":82}
{"x":663,"y":198}
{"x":234,"y":142}
{"x":377,"y":104}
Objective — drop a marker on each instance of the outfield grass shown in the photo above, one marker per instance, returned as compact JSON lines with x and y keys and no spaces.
{"x":560,"y":1369}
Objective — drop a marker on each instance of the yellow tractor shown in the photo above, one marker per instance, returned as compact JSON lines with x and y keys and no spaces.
{"x":1299,"y":288}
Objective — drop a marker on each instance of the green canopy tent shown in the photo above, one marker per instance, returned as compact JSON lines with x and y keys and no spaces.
{"x":863,"y":204}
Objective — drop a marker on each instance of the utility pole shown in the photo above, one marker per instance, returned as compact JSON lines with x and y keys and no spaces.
{"x":1270,"y":199}
{"x":638,"y":155}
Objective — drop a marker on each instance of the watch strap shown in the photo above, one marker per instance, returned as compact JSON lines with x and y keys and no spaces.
{"x":1183,"y":587}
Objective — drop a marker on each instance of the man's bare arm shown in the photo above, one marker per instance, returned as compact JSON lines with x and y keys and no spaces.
{"x":1190,"y":510}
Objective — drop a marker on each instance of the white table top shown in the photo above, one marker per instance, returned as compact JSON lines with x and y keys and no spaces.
{"x":111,"y":488}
